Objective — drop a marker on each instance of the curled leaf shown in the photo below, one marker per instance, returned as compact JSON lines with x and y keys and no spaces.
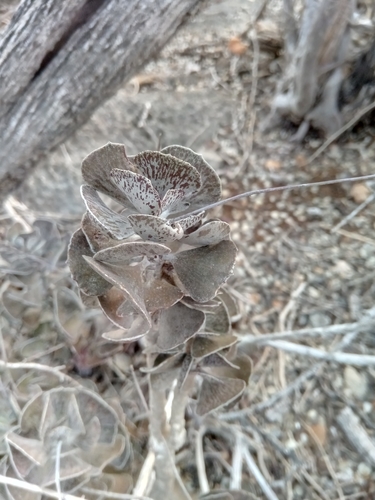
{"x":97,"y":167}
{"x":166,"y":172}
{"x":209,"y":233}
{"x":87,"y":279}
{"x":204,"y":345}
{"x":139,"y":191}
{"x":211,"y":185}
{"x":151,"y":228}
{"x":126,"y":252}
{"x":97,"y":237}
{"x":116,"y":225}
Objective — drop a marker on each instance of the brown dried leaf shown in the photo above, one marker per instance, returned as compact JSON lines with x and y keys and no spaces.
{"x":203,"y":270}
{"x":88,"y":280}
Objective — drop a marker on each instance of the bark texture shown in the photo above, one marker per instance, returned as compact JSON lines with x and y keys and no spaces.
{"x":315,"y":54}
{"x":60,"y":59}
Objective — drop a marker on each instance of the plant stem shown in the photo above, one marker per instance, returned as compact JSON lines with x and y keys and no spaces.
{"x":159,"y":441}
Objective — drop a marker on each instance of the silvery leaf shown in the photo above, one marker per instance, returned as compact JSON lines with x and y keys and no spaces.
{"x":97,"y":166}
{"x":216,"y":360}
{"x":216,"y":393}
{"x":132,"y":326}
{"x":191,"y":220}
{"x":166,"y":172}
{"x":139,"y":191}
{"x":218,"y":321}
{"x":229,"y":301}
{"x":155,"y":229}
{"x":176,"y":325}
{"x":126,"y":278}
{"x":210,"y":191}
{"x":97,"y":237}
{"x":203,"y":270}
{"x":207,"y":307}
{"x":159,"y":294}
{"x":209,"y":233}
{"x":117,"y":225}
{"x":204,"y":345}
{"x":130,"y":251}
{"x":88,"y":280}
{"x":174,"y":201}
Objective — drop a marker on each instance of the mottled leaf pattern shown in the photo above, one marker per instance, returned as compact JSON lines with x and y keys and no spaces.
{"x":139,"y":191}
{"x":174,"y":201}
{"x":151,"y":228}
{"x":124,"y":253}
{"x":191,"y":221}
{"x":97,"y":237}
{"x":166,"y":173}
{"x":117,"y":225}
{"x":211,"y":185}
{"x":209,"y":233}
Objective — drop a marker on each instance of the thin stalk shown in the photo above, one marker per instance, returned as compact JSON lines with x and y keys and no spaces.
{"x":159,"y":441}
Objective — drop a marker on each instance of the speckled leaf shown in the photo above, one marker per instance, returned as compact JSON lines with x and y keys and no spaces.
{"x":176,"y":325}
{"x":203,"y":270}
{"x":166,"y":172}
{"x":216,"y":393}
{"x":131,"y":251}
{"x":204,"y":345}
{"x":191,"y":221}
{"x":97,"y":166}
{"x":151,"y":228}
{"x":126,"y":278}
{"x":117,"y":225}
{"x":139,"y":191}
{"x":209,"y":233}
{"x":97,"y":237}
{"x":211,"y":185}
{"x":174,"y":201}
{"x":88,"y":280}
{"x":159,"y":294}
{"x":218,"y":321}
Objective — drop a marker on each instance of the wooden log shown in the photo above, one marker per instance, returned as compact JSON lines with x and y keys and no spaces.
{"x":60,"y":59}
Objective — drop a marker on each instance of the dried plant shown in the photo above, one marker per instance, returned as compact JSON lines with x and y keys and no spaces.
{"x":68,"y":427}
{"x":158,"y":272}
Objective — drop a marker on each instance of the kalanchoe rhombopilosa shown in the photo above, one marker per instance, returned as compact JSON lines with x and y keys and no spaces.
{"x":154,"y":268}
